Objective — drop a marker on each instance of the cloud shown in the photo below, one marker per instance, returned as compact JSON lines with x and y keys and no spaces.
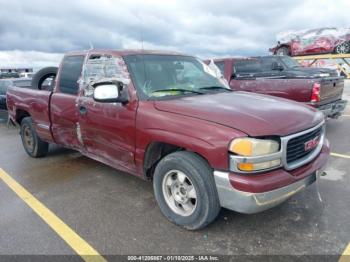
{"x":35,"y":59}
{"x":203,"y":28}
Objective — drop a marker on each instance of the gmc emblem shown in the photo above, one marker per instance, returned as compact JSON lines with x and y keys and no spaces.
{"x":311,"y":144}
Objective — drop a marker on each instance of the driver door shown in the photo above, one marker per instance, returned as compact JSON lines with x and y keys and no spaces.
{"x":107,"y":129}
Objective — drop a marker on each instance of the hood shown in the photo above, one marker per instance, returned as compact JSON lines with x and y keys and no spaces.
{"x":310,"y":72}
{"x":253,"y":114}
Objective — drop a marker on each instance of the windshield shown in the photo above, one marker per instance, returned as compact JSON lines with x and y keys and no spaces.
{"x":289,"y":62}
{"x":171,"y":75}
{"x":3,"y":86}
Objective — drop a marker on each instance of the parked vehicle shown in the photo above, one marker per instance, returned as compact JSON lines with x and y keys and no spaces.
{"x":26,"y":74}
{"x":315,"y":41}
{"x":9,"y":75}
{"x":165,"y":117}
{"x":283,"y":76}
{"x":6,"y":83}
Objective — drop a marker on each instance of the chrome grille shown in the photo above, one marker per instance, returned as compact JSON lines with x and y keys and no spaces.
{"x":293,"y":147}
{"x":296,"y":146}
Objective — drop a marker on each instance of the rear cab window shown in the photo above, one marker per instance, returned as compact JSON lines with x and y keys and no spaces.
{"x":70,"y":73}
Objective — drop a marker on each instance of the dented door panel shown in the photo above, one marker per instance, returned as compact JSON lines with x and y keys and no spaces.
{"x":108,"y":131}
{"x":64,"y":119}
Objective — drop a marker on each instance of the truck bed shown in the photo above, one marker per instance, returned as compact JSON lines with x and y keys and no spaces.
{"x":297,"y":89}
{"x":34,"y":101}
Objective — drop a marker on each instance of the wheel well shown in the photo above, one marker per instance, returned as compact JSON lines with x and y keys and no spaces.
{"x":154,"y":153}
{"x":20,"y":114}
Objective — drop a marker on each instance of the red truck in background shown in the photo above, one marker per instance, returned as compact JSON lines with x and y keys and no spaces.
{"x":314,"y":41}
{"x":166,"y":117}
{"x":283,"y":76}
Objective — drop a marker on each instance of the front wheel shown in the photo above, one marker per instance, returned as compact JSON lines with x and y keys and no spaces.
{"x":343,"y":48}
{"x":283,"y":51}
{"x":32,"y":144}
{"x":185,"y":190}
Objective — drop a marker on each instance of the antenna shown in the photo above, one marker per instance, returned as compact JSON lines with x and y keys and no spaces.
{"x":91,"y":46}
{"x":141,"y":29}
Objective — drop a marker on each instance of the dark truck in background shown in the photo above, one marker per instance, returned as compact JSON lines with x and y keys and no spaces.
{"x":283,"y":76}
{"x":6,"y":83}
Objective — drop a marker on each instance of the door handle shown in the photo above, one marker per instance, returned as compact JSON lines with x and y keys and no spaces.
{"x":82,"y":110}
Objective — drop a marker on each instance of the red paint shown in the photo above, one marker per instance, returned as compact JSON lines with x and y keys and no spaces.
{"x":119,"y":134}
{"x":311,"y":144}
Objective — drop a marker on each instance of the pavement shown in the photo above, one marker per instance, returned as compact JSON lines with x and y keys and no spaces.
{"x":116,"y":213}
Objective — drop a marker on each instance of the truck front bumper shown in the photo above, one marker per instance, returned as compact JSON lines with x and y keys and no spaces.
{"x":249,"y":203}
{"x":258,"y":192}
{"x":334,"y":109}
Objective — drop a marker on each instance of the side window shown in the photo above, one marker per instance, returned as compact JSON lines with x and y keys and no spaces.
{"x":246,"y":66}
{"x":70,"y":74}
{"x":267,"y":62}
{"x":221,"y":66}
{"x":100,"y":67}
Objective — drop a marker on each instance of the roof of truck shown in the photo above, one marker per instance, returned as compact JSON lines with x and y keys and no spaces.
{"x":124,"y":52}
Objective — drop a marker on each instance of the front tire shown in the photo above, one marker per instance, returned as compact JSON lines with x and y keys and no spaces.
{"x":283,"y":51}
{"x":343,"y":48}
{"x":32,"y":144}
{"x":185,"y":190}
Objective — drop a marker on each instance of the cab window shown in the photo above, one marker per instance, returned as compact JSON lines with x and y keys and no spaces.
{"x":70,"y":74}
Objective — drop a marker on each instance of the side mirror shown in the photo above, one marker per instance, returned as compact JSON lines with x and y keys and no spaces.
{"x":109,"y":93}
{"x":277,"y":66}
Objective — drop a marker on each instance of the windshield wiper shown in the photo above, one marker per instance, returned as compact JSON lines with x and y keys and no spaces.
{"x":215,"y":88}
{"x":178,"y":90}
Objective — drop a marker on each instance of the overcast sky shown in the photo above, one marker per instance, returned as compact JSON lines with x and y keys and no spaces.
{"x":29,"y":29}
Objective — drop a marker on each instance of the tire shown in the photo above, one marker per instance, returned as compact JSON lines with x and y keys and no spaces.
{"x":44,"y":73}
{"x":283,"y":50}
{"x":32,"y":144}
{"x":343,"y":48}
{"x":199,"y":176}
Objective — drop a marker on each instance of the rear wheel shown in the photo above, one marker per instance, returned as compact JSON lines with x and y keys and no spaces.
{"x":185,"y":190}
{"x":283,"y":50}
{"x":32,"y":144}
{"x":343,"y":48}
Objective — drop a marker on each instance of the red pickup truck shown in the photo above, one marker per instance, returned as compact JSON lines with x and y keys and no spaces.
{"x":167,"y":118}
{"x":283,"y":76}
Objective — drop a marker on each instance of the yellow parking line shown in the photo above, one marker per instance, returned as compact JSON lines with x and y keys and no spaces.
{"x":345,"y":257}
{"x":79,"y":245}
{"x":340,"y":155}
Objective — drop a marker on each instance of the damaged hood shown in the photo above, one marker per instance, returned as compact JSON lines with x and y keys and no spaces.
{"x":253,"y":114}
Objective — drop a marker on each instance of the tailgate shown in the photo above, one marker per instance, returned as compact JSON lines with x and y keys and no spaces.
{"x":331,"y":89}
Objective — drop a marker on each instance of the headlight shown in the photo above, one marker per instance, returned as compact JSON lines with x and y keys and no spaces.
{"x":253,"y":154}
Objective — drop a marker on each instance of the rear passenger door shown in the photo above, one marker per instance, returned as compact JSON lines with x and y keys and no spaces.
{"x":64,"y":111}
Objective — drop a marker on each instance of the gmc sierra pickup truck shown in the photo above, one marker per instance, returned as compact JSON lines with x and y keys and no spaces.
{"x":167,"y":118}
{"x":283,"y":76}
